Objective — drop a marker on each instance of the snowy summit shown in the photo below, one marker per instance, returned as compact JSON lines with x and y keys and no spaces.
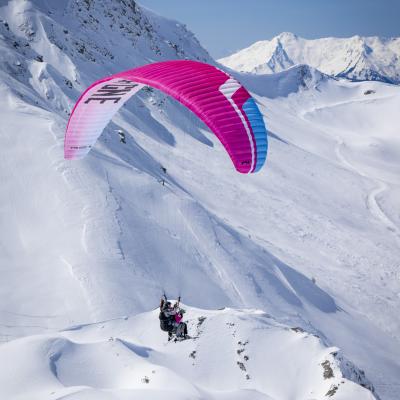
{"x":356,"y":58}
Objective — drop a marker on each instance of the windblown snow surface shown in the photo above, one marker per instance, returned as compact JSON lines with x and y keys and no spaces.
{"x":290,"y":276}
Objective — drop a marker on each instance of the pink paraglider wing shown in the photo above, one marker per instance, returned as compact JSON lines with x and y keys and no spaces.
{"x":216,"y":98}
{"x":93,"y":111}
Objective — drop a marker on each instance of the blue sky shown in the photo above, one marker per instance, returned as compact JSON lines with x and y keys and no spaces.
{"x":225,"y":26}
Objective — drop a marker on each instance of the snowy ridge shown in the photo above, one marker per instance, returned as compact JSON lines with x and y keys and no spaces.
{"x":128,"y":357}
{"x":313,"y":239}
{"x":39,"y":42}
{"x":293,"y":80}
{"x":356,"y":58}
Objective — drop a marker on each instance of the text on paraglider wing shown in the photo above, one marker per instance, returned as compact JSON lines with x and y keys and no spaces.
{"x":79,"y":147}
{"x":112,"y":92}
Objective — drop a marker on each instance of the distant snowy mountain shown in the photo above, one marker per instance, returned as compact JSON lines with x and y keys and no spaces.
{"x":312,"y":240}
{"x":356,"y":58}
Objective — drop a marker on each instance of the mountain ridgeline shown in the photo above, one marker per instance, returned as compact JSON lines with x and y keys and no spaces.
{"x":356,"y":58}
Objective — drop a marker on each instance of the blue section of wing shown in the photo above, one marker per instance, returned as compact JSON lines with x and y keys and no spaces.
{"x":260,"y":133}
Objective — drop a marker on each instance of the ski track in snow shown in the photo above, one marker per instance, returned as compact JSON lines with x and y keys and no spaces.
{"x":378,"y":211}
{"x":371,"y":200}
{"x":372,"y":203}
{"x":118,"y":208}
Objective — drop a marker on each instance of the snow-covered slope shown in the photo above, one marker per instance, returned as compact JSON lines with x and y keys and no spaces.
{"x":357,"y":58}
{"x":129,"y":358}
{"x":313,"y":240}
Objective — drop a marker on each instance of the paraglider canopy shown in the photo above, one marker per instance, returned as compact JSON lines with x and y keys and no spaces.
{"x":219,"y":100}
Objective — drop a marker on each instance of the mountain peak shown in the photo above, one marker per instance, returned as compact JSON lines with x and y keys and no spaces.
{"x":287,"y":36}
{"x":130,"y":354}
{"x":355,"y":58}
